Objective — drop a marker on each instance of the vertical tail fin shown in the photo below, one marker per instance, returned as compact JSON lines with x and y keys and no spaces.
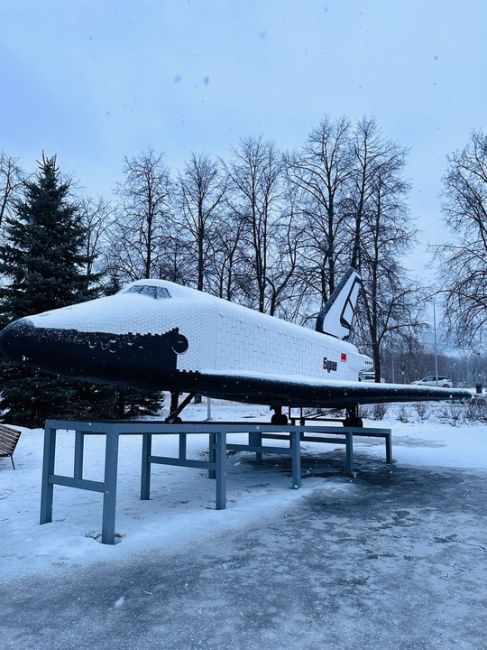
{"x":336,"y":316}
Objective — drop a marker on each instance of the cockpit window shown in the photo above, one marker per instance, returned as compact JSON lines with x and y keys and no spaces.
{"x":158,"y":293}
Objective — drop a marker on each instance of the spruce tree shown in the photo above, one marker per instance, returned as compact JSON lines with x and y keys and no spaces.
{"x":43,"y":262}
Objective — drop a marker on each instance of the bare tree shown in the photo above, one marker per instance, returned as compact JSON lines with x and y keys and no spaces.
{"x":11,"y":177}
{"x":391,"y":301}
{"x":144,"y":217}
{"x":320,"y":173}
{"x":464,"y":261}
{"x":285,"y":282}
{"x":201,"y":193}
{"x":256,"y":175}
{"x":407,"y":363}
{"x":171,"y":263}
{"x":225,"y":279}
{"x":369,"y":151}
{"x":98,"y":219}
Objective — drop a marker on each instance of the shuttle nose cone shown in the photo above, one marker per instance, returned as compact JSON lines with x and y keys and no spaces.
{"x":16,"y":340}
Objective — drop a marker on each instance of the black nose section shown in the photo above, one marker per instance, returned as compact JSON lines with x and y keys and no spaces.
{"x":18,"y":340}
{"x":141,"y":360}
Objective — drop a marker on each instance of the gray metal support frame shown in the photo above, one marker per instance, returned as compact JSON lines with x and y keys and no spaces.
{"x":212,"y":455}
{"x":145,"y":473}
{"x":388,"y":439}
{"x":110,"y":491}
{"x":47,"y":487}
{"x":255,"y":440}
{"x":79,"y":440}
{"x":296,"y":458}
{"x":216,"y":463}
{"x":182,"y":446}
{"x":220,"y":458}
{"x":349,"y":452}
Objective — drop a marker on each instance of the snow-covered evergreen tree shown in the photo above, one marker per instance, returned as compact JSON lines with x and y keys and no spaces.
{"x":43,"y":262}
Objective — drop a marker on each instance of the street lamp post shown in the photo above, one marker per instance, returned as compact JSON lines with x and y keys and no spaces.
{"x":436,"y":350}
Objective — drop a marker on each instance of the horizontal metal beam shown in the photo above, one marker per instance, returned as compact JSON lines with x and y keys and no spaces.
{"x":81,"y":483}
{"x":331,"y":441}
{"x":261,"y":449}
{"x":185,"y":462}
{"x":304,"y":438}
{"x":373,"y":434}
{"x":160,"y":427}
{"x":357,"y":431}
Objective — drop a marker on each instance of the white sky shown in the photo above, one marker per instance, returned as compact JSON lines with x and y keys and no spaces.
{"x":94,"y":80}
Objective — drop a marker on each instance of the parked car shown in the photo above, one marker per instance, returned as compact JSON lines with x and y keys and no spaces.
{"x":432,"y":380}
{"x":368,"y":375}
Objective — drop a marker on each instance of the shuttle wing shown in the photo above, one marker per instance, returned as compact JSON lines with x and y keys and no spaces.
{"x":308,"y":391}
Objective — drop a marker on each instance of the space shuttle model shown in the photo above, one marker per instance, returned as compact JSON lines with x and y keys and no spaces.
{"x":160,"y":335}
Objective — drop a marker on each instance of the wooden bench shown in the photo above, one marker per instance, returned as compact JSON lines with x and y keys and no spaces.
{"x":8,"y":441}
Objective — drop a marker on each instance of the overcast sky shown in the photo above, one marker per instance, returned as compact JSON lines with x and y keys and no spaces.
{"x":94,"y":80}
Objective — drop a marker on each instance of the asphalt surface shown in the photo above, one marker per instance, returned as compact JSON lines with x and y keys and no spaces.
{"x":395,"y":558}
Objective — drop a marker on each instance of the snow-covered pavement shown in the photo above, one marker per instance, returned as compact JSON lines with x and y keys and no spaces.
{"x":394,"y":558}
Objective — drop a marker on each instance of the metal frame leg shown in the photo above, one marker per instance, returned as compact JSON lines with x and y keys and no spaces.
{"x":349,"y":452}
{"x":48,"y":459}
{"x":145,"y":473}
{"x":295,"y":459}
{"x":221,"y":476}
{"x":388,"y":438}
{"x":110,"y":493}
{"x":12,"y":459}
{"x":79,"y":440}
{"x":182,"y":446}
{"x":255,"y":440}
{"x":212,"y":454}
{"x":258,"y":455}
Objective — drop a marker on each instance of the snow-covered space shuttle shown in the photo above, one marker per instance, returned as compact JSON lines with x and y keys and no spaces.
{"x":157,"y":334}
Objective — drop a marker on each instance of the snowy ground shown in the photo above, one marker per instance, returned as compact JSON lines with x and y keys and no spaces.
{"x":395,"y":558}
